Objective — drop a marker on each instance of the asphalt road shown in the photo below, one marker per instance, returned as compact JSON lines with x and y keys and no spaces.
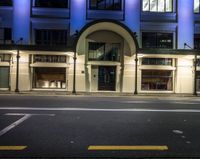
{"x":99,"y":127}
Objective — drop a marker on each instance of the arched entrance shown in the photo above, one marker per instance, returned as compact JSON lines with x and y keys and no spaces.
{"x":106,"y":46}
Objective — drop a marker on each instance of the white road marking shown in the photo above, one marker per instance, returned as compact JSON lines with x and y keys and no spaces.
{"x":16,"y":123}
{"x":13,"y":125}
{"x":188,"y":103}
{"x":18,"y":114}
{"x":136,"y":102}
{"x":177,"y":132}
{"x":104,"y":110}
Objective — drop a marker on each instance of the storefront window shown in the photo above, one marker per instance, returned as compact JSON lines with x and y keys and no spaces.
{"x":157,"y":80}
{"x":105,"y":4}
{"x":157,"y":5}
{"x":104,"y":51}
{"x":157,"y":61}
{"x":53,"y":78}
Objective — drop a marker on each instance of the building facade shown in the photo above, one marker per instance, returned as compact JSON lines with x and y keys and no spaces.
{"x":129,"y":46}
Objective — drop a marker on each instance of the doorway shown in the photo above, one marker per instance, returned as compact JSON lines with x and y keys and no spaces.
{"x":107,"y":78}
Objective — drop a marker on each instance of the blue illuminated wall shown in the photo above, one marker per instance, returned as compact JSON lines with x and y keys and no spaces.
{"x":78,"y":15}
{"x":132,"y":15}
{"x":185,"y":23}
{"x":21,"y":20}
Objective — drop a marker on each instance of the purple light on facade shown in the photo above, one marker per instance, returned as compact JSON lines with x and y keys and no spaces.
{"x":132,"y":15}
{"x":21,"y":20}
{"x":78,"y":15}
{"x":185,"y":23}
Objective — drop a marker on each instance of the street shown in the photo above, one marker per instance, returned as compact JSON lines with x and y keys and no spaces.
{"x":99,"y":127}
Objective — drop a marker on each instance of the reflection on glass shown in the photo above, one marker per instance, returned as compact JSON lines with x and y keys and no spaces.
{"x":145,"y":5}
{"x":153,"y":4}
{"x":168,"y":5}
{"x":161,"y":5}
{"x":157,"y":80}
{"x":196,"y":6}
{"x":157,"y":5}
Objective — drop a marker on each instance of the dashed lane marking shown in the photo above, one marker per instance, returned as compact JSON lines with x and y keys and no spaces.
{"x":12,"y":148}
{"x":127,"y":148}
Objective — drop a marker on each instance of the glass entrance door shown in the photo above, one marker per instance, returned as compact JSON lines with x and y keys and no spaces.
{"x":4,"y":77}
{"x":107,"y":78}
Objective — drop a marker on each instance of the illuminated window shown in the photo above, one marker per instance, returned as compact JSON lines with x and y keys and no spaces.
{"x":157,"y":5}
{"x":196,"y":6}
{"x":49,"y":78}
{"x":6,"y":3}
{"x":104,"y":51}
{"x":105,"y":4}
{"x":157,"y":40}
{"x":51,"y":3}
{"x":157,"y":80}
{"x":50,"y":37}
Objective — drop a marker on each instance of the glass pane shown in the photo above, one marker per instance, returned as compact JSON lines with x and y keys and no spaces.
{"x":149,"y":40}
{"x":112,"y":52}
{"x":101,"y":4}
{"x":157,"y":80}
{"x":169,"y":5}
{"x":198,"y":80}
{"x":52,"y":3}
{"x":153,"y":5}
{"x":4,"y":77}
{"x":93,"y":4}
{"x":161,"y":5}
{"x":96,"y":51}
{"x":49,"y":78}
{"x":5,"y":2}
{"x":145,"y":5}
{"x":196,"y":6}
{"x":165,"y":40}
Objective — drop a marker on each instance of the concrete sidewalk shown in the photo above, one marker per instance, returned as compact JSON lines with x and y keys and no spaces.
{"x":98,"y":94}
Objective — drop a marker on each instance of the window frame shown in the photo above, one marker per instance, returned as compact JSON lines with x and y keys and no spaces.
{"x":198,"y":7}
{"x":3,"y":57}
{"x":117,"y":57}
{"x":47,"y":39}
{"x":157,"y":10}
{"x":105,"y":8}
{"x":154,"y":77}
{"x":51,"y":6}
{"x":162,"y":62}
{"x":156,"y":36}
{"x":7,"y":3}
